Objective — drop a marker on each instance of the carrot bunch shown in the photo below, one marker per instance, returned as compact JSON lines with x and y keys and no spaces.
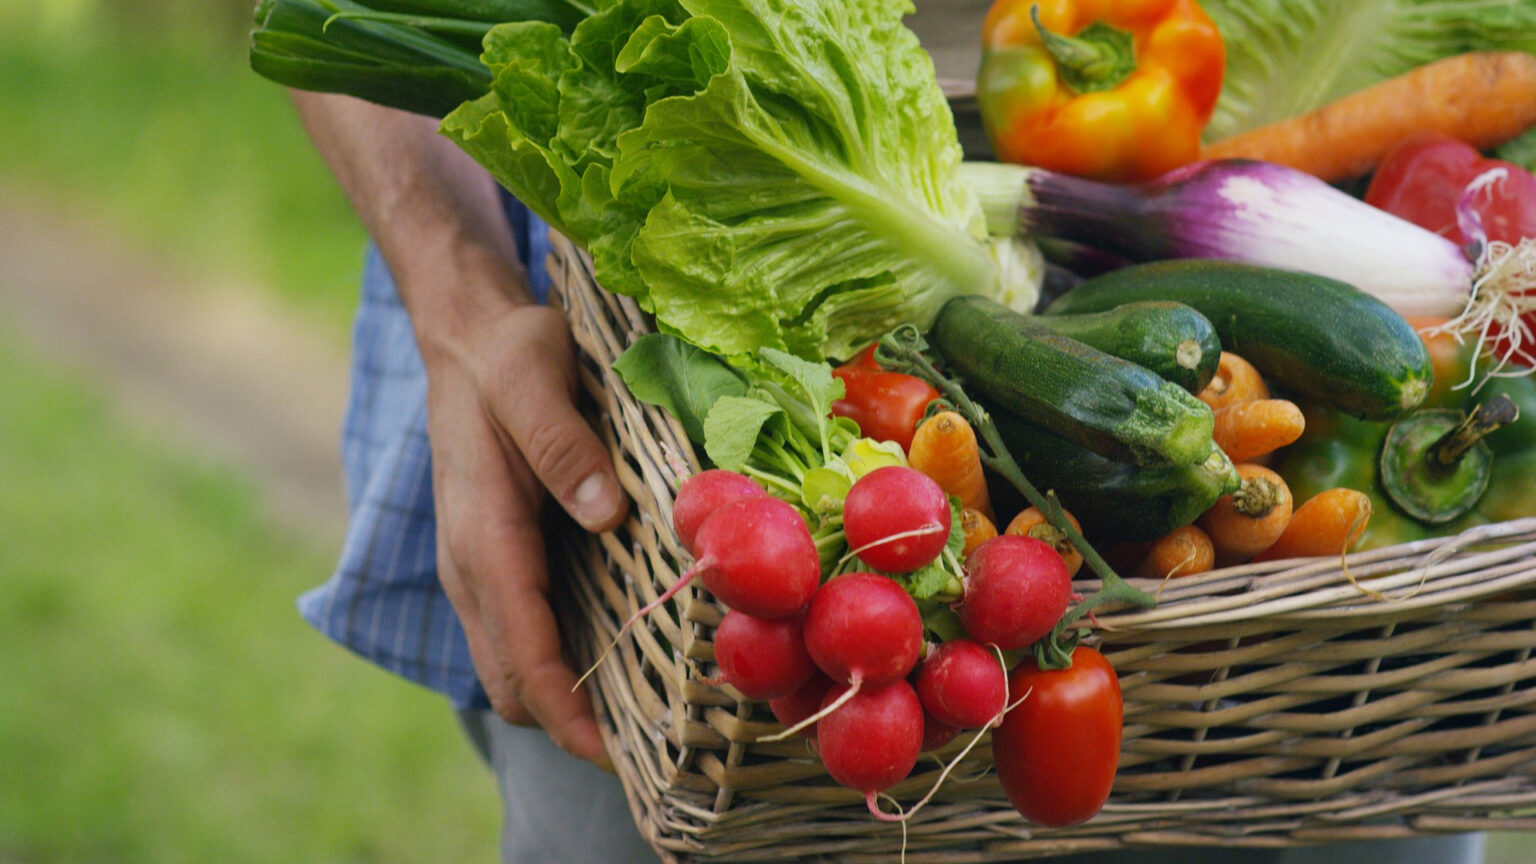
{"x":1260,"y":521}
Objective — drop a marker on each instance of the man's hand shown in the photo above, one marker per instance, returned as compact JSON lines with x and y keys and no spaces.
{"x":501,"y":382}
{"x":504,"y":427}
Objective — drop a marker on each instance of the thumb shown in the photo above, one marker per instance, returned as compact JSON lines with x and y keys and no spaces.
{"x":569,"y":459}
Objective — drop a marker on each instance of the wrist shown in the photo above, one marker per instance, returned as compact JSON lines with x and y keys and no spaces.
{"x":454,"y":288}
{"x":435,"y":214}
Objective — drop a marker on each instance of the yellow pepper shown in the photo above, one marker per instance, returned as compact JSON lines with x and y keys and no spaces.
{"x":1110,"y":89}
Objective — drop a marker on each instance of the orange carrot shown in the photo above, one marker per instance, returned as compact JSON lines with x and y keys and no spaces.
{"x":1257,"y":428}
{"x":977,"y":527}
{"x":1250,"y":520}
{"x":1181,"y":552}
{"x":1235,"y":381}
{"x":1483,"y":98}
{"x":1032,"y":523}
{"x":944,"y":447}
{"x":1328,"y":523}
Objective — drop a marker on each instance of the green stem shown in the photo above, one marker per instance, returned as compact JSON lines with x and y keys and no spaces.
{"x":769,"y":478}
{"x":456,"y":26}
{"x":772,"y":452}
{"x":1493,"y":414}
{"x":825,"y":542}
{"x":902,"y":350}
{"x":1099,"y":58}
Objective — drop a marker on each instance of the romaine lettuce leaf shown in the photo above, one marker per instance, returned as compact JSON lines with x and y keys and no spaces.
{"x":757,"y":173}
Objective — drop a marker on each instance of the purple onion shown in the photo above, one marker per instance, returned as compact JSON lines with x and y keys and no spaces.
{"x":1238,"y":210}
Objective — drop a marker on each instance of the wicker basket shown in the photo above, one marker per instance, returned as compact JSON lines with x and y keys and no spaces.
{"x":1274,"y":704}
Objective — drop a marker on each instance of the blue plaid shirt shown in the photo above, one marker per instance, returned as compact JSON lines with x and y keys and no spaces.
{"x":384,"y":601}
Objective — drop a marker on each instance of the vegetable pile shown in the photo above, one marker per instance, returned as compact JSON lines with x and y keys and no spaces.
{"x":872,"y":602}
{"x":1293,"y":317}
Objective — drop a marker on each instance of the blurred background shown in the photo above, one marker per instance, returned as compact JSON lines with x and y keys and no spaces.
{"x":177,"y":272}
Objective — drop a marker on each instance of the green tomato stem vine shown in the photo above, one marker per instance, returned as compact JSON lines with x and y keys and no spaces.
{"x":903,"y":350}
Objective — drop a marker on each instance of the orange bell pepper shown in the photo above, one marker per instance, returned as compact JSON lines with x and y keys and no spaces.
{"x":1110,"y":89}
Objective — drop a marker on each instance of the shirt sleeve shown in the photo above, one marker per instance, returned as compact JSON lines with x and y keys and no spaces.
{"x":384,"y":601}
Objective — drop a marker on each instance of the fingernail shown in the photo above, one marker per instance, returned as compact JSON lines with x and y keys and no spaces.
{"x":595,"y":500}
{"x":605,"y":763}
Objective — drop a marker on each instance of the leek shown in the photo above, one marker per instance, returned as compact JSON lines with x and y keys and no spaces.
{"x":1273,"y":216}
{"x":421,"y":56}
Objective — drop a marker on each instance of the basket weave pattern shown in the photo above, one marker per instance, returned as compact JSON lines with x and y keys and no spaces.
{"x":1281,"y":703}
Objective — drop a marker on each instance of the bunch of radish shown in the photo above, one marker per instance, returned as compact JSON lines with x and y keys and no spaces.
{"x":843,"y":661}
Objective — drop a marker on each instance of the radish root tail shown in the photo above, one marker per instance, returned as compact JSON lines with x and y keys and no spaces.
{"x":924,"y":531}
{"x":902,"y":816}
{"x":854,"y":684}
{"x":641,"y":613}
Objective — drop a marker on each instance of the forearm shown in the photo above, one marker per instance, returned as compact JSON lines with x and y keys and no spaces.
{"x":434,"y":213}
{"x":502,"y":420}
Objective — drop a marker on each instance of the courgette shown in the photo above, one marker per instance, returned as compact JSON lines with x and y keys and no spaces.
{"x":1171,"y":339}
{"x":1322,"y":338}
{"x":1118,"y":409}
{"x":1115,"y":500}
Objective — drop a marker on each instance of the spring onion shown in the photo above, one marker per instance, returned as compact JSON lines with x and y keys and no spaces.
{"x":1254,"y":212}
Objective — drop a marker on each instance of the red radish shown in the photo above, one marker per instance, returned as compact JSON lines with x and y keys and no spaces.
{"x":963,"y":684}
{"x":896,"y":519}
{"x":936,"y":733}
{"x":805,"y":701}
{"x":863,"y":627}
{"x":702,"y":494}
{"x":872,"y":740}
{"x":1016,"y":589}
{"x":863,"y":630}
{"x":757,"y":555}
{"x":763,"y":659}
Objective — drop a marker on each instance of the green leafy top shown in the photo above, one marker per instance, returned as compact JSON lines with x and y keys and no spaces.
{"x":1286,"y":57}
{"x":758,"y":173}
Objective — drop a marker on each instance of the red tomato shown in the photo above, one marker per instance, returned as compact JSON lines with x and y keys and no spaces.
{"x":1422,"y":179}
{"x":886,"y":405}
{"x":1057,"y":751}
{"x":864,"y":359}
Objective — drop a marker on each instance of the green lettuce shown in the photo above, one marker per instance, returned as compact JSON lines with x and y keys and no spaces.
{"x":1286,"y":57}
{"x":757,"y":173}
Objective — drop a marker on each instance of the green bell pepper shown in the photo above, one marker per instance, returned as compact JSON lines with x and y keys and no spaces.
{"x":1339,"y":450}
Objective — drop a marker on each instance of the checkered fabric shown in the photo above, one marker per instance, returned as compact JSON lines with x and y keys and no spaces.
{"x":384,"y":601}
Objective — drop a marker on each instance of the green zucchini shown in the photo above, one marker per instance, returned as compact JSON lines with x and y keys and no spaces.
{"x":1319,"y":337}
{"x":1010,"y":361}
{"x":1171,"y":339}
{"x":1115,"y":500}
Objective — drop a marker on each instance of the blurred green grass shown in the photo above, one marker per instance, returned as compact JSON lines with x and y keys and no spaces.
{"x":164,"y":134}
{"x":160,"y":698}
